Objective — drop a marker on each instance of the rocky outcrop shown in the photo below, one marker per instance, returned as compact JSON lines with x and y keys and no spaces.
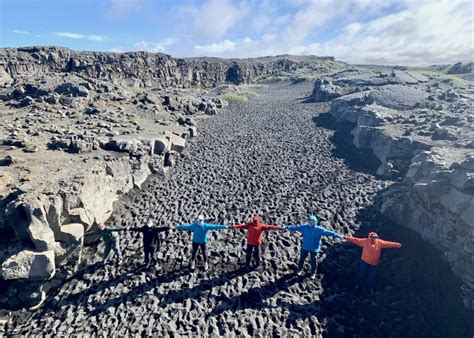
{"x":141,"y":69}
{"x":436,"y":199}
{"x":29,"y":265}
{"x":420,"y":133}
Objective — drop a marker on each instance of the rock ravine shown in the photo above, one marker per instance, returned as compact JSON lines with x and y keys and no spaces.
{"x":121,"y":138}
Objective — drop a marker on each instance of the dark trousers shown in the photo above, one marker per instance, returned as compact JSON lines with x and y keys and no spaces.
{"x":255,"y":249}
{"x":112,"y":246}
{"x":314,"y":261}
{"x":366,"y":270}
{"x":196,"y":246}
{"x":150,"y":254}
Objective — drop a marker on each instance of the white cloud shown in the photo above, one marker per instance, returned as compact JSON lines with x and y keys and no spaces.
{"x":70,"y":35}
{"x":214,"y":18}
{"x":154,"y":47}
{"x":423,"y":33}
{"x":122,"y":9}
{"x":17,"y":31}
{"x":411,"y":33}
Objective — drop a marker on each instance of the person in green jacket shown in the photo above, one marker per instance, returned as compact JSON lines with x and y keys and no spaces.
{"x":111,"y":241}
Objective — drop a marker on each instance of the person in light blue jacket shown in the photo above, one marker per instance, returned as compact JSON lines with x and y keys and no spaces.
{"x":312,"y":234}
{"x":199,"y":229}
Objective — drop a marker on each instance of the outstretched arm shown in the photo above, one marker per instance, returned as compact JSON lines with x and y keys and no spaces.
{"x":184,"y":227}
{"x":216,"y":226}
{"x":135,"y":229}
{"x":292,"y":227}
{"x":241,"y":226}
{"x":93,"y":233}
{"x":355,"y":240}
{"x":161,"y":229}
{"x":387,"y":244}
{"x":331,"y":233}
{"x":267,"y":227}
{"x":116,"y":230}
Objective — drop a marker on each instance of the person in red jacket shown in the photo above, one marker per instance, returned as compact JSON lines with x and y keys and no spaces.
{"x":254,"y":238}
{"x":371,"y":249}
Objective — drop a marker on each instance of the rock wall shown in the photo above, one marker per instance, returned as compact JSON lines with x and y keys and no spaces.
{"x":420,"y":130}
{"x":50,"y":224}
{"x":142,"y":69}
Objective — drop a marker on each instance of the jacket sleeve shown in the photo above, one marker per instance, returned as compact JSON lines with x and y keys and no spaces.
{"x":241,"y":226}
{"x":271,"y":227}
{"x":215,"y":226}
{"x":184,"y":227}
{"x":330,"y":233}
{"x":292,"y":227}
{"x":387,"y":244}
{"x":93,"y":233}
{"x":135,"y":229}
{"x":116,"y":230}
{"x":161,"y":229}
{"x":356,"y":241}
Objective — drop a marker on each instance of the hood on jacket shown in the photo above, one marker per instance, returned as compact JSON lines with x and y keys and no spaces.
{"x":313,"y":219}
{"x":372,"y":233}
{"x":256,"y":219}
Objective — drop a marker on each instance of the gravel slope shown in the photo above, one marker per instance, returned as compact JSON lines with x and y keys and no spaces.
{"x":262,"y":156}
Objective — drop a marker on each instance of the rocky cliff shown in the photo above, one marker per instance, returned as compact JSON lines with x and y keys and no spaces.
{"x":418,"y":125}
{"x":142,"y":69}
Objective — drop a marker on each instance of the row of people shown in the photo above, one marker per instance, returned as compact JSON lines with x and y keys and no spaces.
{"x":311,"y":243}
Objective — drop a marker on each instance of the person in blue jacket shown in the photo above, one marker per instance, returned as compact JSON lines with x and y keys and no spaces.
{"x":312,"y":234}
{"x":199,"y":229}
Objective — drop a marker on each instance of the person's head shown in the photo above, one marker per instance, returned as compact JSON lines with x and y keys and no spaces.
{"x":150,"y":223}
{"x":256,"y":219}
{"x":373,"y":237}
{"x":313,"y":220}
{"x":101,"y":226}
{"x":200,"y":219}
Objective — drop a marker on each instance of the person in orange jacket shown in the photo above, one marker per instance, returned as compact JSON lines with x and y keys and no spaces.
{"x":371,"y":249}
{"x":254,"y":238}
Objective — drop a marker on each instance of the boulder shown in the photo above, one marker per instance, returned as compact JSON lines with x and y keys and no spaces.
{"x":71,"y":233}
{"x":161,"y":145}
{"x":123,"y":144}
{"x":30,"y":265}
{"x":192,"y":131}
{"x":325,"y":90}
{"x":29,"y":219}
{"x":81,"y":215}
{"x":171,"y":158}
{"x":177,"y":142}
{"x":26,"y":101}
{"x":72,"y":89}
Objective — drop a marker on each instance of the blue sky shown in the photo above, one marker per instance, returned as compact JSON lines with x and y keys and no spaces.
{"x":386,"y":32}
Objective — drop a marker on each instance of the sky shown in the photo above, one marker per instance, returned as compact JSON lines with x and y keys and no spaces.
{"x":402,"y":32}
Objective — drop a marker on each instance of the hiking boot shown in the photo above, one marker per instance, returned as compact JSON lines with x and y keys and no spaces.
{"x":193,"y":265}
{"x":206,"y":266}
{"x":300,"y":273}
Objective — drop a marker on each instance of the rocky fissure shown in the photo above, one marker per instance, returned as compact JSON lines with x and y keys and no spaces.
{"x":263,"y":156}
{"x":420,"y":129}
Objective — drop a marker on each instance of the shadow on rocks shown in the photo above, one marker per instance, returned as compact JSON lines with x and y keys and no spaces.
{"x":173,"y":296}
{"x":255,"y":297}
{"x":343,"y":146}
{"x":415,"y":287}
